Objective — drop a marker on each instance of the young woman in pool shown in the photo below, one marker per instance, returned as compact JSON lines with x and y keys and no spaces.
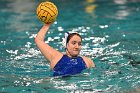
{"x":64,"y":64}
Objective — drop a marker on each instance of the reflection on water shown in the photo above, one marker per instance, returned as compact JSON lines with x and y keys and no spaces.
{"x":90,"y":7}
{"x":20,"y":12}
{"x":110,"y":38}
{"x":123,"y":9}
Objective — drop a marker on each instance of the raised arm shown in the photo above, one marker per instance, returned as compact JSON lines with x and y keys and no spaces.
{"x":52,"y":55}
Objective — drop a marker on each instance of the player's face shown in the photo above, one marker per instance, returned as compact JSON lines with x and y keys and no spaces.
{"x":74,"y":46}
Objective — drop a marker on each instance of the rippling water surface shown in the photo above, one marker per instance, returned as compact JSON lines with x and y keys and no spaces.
{"x":111,"y":38}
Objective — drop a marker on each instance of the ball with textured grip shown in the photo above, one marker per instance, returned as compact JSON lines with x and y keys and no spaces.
{"x":47,"y":12}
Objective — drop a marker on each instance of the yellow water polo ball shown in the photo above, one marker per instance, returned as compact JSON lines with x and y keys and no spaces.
{"x":47,"y":12}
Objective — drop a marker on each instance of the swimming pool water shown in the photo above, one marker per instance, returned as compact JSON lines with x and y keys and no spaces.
{"x":111,"y":38}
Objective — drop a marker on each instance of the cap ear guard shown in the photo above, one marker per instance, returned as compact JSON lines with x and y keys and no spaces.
{"x":64,"y":39}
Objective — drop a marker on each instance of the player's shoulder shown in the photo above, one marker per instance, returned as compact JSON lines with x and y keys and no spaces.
{"x":88,"y":62}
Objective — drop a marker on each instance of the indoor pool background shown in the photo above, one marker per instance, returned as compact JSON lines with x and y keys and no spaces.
{"x":111,"y":38}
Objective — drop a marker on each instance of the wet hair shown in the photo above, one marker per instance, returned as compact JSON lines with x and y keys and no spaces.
{"x":71,"y":35}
